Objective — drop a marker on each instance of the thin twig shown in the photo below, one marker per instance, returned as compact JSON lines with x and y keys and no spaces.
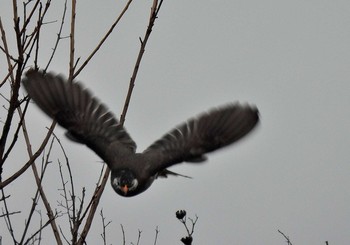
{"x":64,"y":237}
{"x":193,"y":224}
{"x":6,"y":51}
{"x":15,"y":83}
{"x":286,"y":237}
{"x":27,"y":20}
{"x":14,"y":89}
{"x":42,"y":226}
{"x":58,"y":36}
{"x":138,"y":237}
{"x":7,"y":218}
{"x":36,"y":196}
{"x":153,"y":16}
{"x":11,"y":213}
{"x":72,"y":40}
{"x":104,"y":226}
{"x":156,"y":237}
{"x":123,"y":233}
{"x":181,"y":216}
{"x":36,"y":176}
{"x":47,"y":205}
{"x":74,"y":220}
{"x":15,"y":135}
{"x":102,"y":40}
{"x":32,"y":158}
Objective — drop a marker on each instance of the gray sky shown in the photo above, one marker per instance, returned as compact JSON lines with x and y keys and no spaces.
{"x":290,"y":58}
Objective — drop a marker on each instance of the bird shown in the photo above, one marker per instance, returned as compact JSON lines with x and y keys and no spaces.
{"x":90,"y":122}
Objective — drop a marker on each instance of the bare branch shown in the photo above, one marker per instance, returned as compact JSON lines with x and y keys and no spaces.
{"x":36,"y":197}
{"x":15,"y":136}
{"x":47,"y":205}
{"x":153,"y":16}
{"x":138,"y":238}
{"x":104,"y":226}
{"x":72,"y":40}
{"x":7,"y":53}
{"x":286,"y":237}
{"x":58,"y":35}
{"x":12,"y":213}
{"x":103,"y":39}
{"x":181,"y":215}
{"x":32,"y":158}
{"x":7,"y":214}
{"x":156,"y":237}
{"x":39,"y":231}
{"x":123,"y":233}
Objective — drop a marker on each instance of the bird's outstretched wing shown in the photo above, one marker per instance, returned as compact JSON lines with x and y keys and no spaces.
{"x":87,"y":120}
{"x":208,"y":132}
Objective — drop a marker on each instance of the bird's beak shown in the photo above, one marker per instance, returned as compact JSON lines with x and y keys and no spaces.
{"x":125,"y":189}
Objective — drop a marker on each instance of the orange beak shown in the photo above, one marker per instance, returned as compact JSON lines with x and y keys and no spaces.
{"x":125,"y":189}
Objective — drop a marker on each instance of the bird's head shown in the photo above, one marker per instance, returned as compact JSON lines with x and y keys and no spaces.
{"x":124,"y":182}
{"x":127,"y":184}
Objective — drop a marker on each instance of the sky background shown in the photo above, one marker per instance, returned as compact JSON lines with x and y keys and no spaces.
{"x":289,"y":58}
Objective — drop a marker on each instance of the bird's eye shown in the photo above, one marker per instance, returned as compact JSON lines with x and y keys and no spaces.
{"x":116,"y":182}
{"x":133,"y":185}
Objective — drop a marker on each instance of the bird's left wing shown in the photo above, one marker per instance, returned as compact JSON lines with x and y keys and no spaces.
{"x":206,"y":133}
{"x":87,"y":120}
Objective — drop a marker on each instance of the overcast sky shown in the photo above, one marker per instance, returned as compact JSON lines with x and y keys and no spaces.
{"x":289,"y":58}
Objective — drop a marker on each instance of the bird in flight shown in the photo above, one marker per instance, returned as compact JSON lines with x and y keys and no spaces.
{"x":89,"y":122}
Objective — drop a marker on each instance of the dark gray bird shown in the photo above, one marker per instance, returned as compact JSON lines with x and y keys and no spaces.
{"x":90,"y":122}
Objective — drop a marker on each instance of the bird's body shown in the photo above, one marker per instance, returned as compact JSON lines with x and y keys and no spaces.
{"x":89,"y":122}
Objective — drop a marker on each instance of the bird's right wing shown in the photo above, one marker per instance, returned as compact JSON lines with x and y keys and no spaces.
{"x":87,"y":120}
{"x":190,"y":141}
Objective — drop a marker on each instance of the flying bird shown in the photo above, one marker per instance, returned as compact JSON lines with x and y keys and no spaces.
{"x":89,"y":122}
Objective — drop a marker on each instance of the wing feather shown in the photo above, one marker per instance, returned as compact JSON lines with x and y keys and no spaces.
{"x":190,"y":141}
{"x":87,"y":120}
